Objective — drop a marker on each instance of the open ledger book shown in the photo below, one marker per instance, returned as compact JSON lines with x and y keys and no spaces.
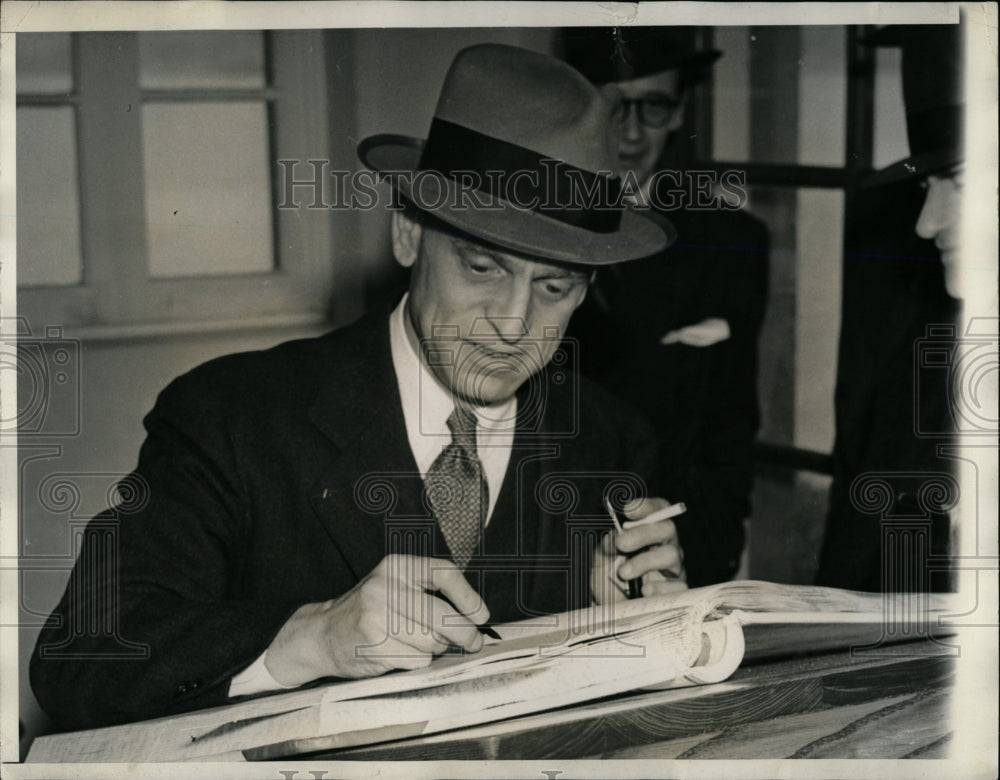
{"x":695,"y":637}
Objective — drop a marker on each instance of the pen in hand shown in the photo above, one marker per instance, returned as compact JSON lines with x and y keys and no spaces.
{"x":484,"y":628}
{"x":635,"y":585}
{"x":489,"y":631}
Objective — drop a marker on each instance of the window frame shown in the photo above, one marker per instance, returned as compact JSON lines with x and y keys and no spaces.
{"x":117,"y":295}
{"x":847,"y":177}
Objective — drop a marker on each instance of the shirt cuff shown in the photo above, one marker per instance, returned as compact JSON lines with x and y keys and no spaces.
{"x":255,"y":679}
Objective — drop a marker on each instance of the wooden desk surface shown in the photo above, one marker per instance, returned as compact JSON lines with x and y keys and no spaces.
{"x":889,"y":704}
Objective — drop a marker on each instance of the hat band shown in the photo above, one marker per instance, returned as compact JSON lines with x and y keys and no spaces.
{"x":935,"y":129}
{"x":524,"y":178}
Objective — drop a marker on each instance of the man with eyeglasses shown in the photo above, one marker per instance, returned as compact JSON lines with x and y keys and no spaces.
{"x":677,"y":335}
{"x":649,"y":111}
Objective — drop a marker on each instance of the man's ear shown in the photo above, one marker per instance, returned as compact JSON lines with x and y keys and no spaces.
{"x":406,"y":234}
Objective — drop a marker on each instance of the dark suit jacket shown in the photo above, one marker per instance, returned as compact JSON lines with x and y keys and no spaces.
{"x":892,"y":406}
{"x":702,"y":401}
{"x":272,"y":479}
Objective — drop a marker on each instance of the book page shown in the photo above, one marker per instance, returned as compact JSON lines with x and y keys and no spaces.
{"x":584,"y":644}
{"x":768,"y":597}
{"x":624,"y":636}
{"x":585,"y":671}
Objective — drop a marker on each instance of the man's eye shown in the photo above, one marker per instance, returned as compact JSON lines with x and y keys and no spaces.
{"x":478,"y":265}
{"x":557,"y":289}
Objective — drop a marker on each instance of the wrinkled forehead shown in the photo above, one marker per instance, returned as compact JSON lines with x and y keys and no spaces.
{"x":458,"y":240}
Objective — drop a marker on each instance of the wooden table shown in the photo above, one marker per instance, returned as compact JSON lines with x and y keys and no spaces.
{"x":889,"y":704}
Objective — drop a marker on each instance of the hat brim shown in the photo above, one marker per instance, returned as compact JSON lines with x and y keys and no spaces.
{"x":915,"y":167}
{"x":503,"y":223}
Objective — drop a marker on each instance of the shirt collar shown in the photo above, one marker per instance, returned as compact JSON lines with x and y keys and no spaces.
{"x":427,"y":405}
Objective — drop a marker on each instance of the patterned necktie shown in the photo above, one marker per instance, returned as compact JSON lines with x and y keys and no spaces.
{"x":457,"y":490}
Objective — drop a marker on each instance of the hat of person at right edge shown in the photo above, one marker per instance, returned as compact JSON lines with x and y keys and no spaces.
{"x":932,"y":96}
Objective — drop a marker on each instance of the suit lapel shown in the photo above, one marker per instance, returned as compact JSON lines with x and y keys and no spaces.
{"x":373,"y":476}
{"x":540,"y":534}
{"x":373,"y":479}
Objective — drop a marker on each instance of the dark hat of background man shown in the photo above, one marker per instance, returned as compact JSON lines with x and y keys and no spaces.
{"x":606,"y":54}
{"x":932,"y":95}
{"x":505,"y":115}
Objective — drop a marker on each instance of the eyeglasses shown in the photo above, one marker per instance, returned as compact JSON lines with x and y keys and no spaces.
{"x":653,"y":112}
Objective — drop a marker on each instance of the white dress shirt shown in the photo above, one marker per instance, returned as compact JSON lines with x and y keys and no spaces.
{"x":426,"y":408}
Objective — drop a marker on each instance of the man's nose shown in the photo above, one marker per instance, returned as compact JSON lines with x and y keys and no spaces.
{"x":933,"y":215}
{"x":631,"y":128}
{"x":509,"y":311}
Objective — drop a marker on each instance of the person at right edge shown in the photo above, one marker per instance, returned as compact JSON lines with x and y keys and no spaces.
{"x":901,"y":273}
{"x":676,"y":335}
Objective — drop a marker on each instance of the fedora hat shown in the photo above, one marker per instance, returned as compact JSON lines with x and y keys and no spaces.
{"x":520,"y":153}
{"x":932,"y":97}
{"x":606,"y":54}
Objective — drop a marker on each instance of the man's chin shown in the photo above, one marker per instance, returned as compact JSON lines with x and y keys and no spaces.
{"x":956,"y":283}
{"x":489,"y":391}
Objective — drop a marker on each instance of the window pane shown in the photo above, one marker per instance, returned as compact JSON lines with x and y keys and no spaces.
{"x":780,"y":95}
{"x":201,"y":60}
{"x":208,"y":194}
{"x":731,"y":94}
{"x":776,"y":371}
{"x":819,"y":252}
{"x":798,"y":346}
{"x":823,"y":96}
{"x":48,"y":203}
{"x":890,"y":142}
{"x":44,"y":64}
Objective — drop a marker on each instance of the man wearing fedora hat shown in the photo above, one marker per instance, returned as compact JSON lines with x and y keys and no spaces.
{"x":901,"y":271}
{"x":676,"y":334}
{"x":935,"y":112}
{"x":343,"y":506}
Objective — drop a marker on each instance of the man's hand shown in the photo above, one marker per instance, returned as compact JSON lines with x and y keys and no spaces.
{"x":656,"y":556}
{"x":392,"y":619}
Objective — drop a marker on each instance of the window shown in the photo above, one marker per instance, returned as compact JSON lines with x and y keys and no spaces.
{"x":147,"y":176}
{"x":794,"y":107}
{"x":779,"y":110}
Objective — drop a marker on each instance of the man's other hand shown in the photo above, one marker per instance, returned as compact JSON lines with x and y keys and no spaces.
{"x":650,"y":552}
{"x":406,"y":611}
